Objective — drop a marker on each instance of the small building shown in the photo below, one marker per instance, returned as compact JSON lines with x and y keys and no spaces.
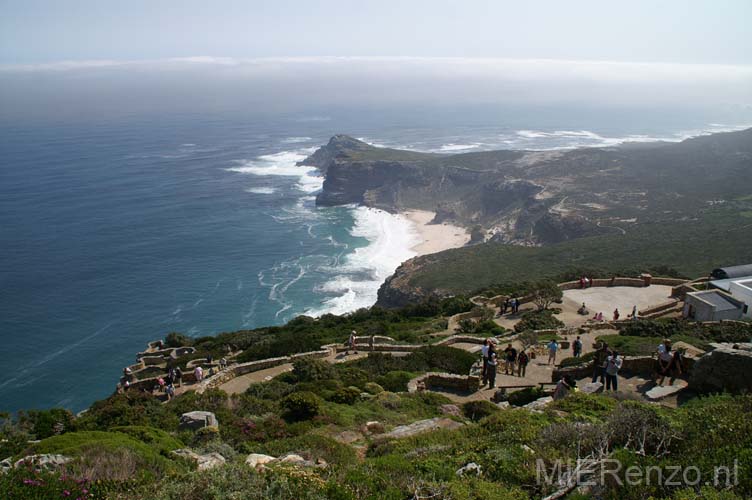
{"x":724,"y":273}
{"x":712,"y":305}
{"x":739,"y":287}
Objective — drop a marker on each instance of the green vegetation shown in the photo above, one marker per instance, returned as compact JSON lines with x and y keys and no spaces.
{"x":538,"y":320}
{"x":689,"y":248}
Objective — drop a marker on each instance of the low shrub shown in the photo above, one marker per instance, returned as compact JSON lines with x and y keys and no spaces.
{"x":312,"y":370}
{"x":395,"y":381}
{"x":346,"y":395}
{"x":538,"y":320}
{"x":525,"y":396}
{"x":373,"y":388}
{"x":572,"y":361}
{"x":301,"y":405}
{"x":476,"y":410}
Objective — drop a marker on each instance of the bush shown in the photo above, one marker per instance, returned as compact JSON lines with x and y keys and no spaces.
{"x":395,"y":381}
{"x":346,"y":396}
{"x":476,"y":410}
{"x":538,"y":320}
{"x":525,"y":396}
{"x":301,"y":405}
{"x":584,"y":359}
{"x":45,"y":423}
{"x":263,"y":429}
{"x":275,"y":390}
{"x":312,"y":370}
{"x":175,"y":339}
{"x":373,"y":388}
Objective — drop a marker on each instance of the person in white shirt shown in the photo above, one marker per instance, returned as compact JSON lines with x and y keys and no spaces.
{"x":484,"y":354}
{"x":613,"y":365}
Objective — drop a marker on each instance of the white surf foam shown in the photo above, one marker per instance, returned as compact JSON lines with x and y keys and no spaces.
{"x":458,"y":147}
{"x":390,"y":240}
{"x":261,"y":190}
{"x":294,"y":140}
{"x":284,"y":164}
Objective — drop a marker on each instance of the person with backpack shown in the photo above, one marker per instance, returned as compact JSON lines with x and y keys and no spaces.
{"x":522,"y":360}
{"x":613,"y":365}
{"x":577,"y":347}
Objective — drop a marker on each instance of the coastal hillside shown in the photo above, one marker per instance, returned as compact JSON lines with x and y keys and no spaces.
{"x":682,"y":207}
{"x":538,"y":198}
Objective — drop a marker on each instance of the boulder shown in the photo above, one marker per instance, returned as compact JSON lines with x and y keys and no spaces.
{"x":421,"y":426}
{"x":471,"y":469}
{"x":723,"y":370}
{"x":452,"y":410}
{"x":539,"y":404}
{"x":591,"y":388}
{"x":663,"y":391}
{"x":6,"y":465}
{"x":202,"y":462}
{"x":197,"y":420}
{"x":348,"y":437}
{"x":298,"y":461}
{"x":374,"y":427}
{"x":257,"y":460}
{"x":46,"y":462}
{"x":504,"y":405}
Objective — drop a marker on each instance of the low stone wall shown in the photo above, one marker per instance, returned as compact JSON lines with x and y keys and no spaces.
{"x":152,"y":360}
{"x":659,"y":308}
{"x":632,"y":365}
{"x":456,"y":339}
{"x":377,"y":339}
{"x":436,"y":380}
{"x":237,"y":370}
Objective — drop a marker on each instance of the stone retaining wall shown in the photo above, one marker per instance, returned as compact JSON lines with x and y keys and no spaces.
{"x":431,"y":380}
{"x":632,"y":365}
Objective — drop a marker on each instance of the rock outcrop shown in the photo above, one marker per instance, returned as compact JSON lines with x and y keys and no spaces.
{"x":202,"y":462}
{"x":195,"y":420}
{"x":421,"y":426}
{"x":723,"y":370}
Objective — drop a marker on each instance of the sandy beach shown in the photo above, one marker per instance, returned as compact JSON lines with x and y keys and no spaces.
{"x":435,"y":237}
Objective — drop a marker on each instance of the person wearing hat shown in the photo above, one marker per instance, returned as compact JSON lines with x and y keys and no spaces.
{"x":351,"y":343}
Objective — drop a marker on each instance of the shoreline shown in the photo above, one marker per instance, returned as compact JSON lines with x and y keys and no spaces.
{"x":434,"y":237}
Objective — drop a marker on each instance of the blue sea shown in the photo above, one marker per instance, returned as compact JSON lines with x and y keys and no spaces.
{"x":117,"y":230}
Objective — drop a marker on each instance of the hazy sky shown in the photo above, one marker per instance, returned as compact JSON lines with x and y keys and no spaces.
{"x":687,"y":31}
{"x":69,"y":57}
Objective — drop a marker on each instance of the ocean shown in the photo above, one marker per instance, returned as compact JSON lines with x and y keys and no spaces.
{"x":115,"y":231}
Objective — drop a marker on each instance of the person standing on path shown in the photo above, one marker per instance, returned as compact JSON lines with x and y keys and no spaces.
{"x":351,"y":343}
{"x":577,"y":347}
{"x":522,"y":361}
{"x":553,"y":347}
{"x":613,"y":365}
{"x":616,"y":314}
{"x":510,"y":356}
{"x":484,"y":351}
{"x":492,"y":364}
{"x":599,"y":363}
{"x":198,"y":373}
{"x":178,"y":376}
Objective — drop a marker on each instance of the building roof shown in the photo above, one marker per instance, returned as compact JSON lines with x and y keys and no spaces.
{"x":726,"y":284}
{"x":719,"y":300}
{"x":723,"y":273}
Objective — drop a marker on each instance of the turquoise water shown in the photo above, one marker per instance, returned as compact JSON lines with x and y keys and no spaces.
{"x":118,"y":231}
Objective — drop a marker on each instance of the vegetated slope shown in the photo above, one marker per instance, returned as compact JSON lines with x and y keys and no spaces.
{"x":543,"y":197}
{"x":720,"y":235}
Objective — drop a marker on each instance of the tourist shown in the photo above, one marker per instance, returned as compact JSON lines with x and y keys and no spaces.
{"x":599,"y":363}
{"x":198,"y":373}
{"x":168,"y":379}
{"x":583,"y":310}
{"x":634,"y":315}
{"x":351,"y":343}
{"x":504,"y":306}
{"x":577,"y":347}
{"x":582,"y":282}
{"x":669,"y":362}
{"x":599,"y":316}
{"x":484,"y":351}
{"x":371,"y":342}
{"x":170,"y":392}
{"x":178,"y":376}
{"x":616,"y":314}
{"x":161,"y":383}
{"x":510,"y":356}
{"x":126,"y":385}
{"x":223,"y":363}
{"x":613,"y":365}
{"x":587,"y":282}
{"x":553,"y":347}
{"x":492,"y":364}
{"x":522,"y":361}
